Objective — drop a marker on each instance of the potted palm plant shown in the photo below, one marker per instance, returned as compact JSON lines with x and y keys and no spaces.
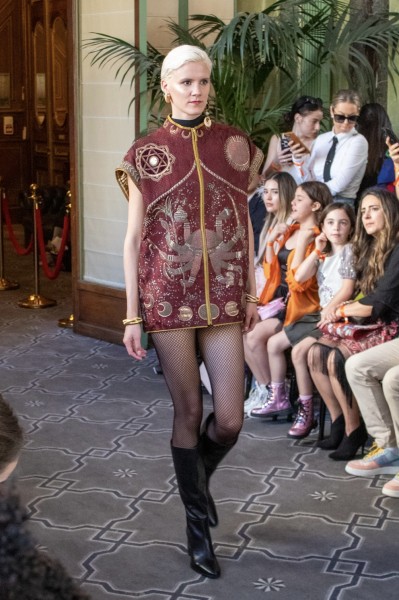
{"x":263,"y":60}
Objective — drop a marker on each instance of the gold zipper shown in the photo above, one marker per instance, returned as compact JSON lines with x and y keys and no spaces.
{"x":202,"y":220}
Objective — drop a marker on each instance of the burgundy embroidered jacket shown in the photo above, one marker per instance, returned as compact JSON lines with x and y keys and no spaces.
{"x":194,"y":249}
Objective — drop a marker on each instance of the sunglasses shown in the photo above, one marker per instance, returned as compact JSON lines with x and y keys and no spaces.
{"x":312,"y":101}
{"x":343,"y":118}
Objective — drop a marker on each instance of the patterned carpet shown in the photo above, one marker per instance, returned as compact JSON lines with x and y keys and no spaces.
{"x":97,"y":477}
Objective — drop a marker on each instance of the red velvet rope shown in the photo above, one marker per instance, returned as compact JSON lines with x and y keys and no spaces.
{"x":51,"y":274}
{"x":17,"y":247}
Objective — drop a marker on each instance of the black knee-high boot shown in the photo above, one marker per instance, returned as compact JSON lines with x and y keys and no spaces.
{"x":190,"y":473}
{"x":212,"y":454}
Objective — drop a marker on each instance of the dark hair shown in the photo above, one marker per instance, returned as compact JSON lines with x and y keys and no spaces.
{"x":350,"y":213}
{"x":340,"y":205}
{"x":25,"y":570}
{"x":302,"y":106}
{"x":372,"y":251}
{"x":11,"y":436}
{"x":317,"y":192}
{"x":372,"y":118}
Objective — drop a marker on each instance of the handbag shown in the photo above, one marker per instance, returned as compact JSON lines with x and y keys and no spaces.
{"x":271,"y":309}
{"x":358,"y":337}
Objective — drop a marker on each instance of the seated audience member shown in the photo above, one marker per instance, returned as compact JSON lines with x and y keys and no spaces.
{"x":304,"y":121}
{"x":376,"y":253}
{"x":257,"y":214}
{"x":379,"y":170}
{"x":332,"y":262}
{"x":11,"y":440}
{"x":339,"y":157}
{"x":25,"y":572}
{"x":286,"y":247}
{"x":277,"y":193}
{"x":394,"y":154}
{"x":374,"y":378}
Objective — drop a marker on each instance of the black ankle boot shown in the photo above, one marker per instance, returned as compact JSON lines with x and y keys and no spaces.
{"x":337,"y":432}
{"x":212,"y":454}
{"x":350,"y":444}
{"x":190,"y":474}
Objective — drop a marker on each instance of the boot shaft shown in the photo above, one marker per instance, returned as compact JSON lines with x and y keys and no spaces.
{"x":278,"y":399}
{"x":191,"y":479}
{"x":212,"y":452}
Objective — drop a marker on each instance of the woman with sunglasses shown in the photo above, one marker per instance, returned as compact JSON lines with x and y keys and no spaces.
{"x":339,"y":157}
{"x":303,"y":120}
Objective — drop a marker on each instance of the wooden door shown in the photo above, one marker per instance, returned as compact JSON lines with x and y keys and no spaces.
{"x":14,"y":147}
{"x":48,"y":82}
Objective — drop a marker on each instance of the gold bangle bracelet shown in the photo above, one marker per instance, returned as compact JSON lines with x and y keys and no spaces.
{"x":133,"y":321}
{"x":250,"y":298}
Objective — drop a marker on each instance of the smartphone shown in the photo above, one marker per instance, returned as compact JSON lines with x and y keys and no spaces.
{"x":291,"y":137}
{"x":388,"y":133}
{"x":284,"y":143}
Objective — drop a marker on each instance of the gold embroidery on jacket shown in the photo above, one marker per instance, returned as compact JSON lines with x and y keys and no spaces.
{"x":236,"y":150}
{"x":154,"y":162}
{"x":185,"y":259}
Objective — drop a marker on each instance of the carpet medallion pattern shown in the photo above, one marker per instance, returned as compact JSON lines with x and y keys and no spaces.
{"x":97,"y":478}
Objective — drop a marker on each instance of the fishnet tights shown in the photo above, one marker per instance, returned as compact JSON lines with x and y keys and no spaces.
{"x":221,"y":349}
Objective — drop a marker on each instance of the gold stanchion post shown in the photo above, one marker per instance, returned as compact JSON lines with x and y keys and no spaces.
{"x":35,"y":300}
{"x":67,"y":322}
{"x":5,"y":284}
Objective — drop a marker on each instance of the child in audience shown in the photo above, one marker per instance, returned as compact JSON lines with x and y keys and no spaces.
{"x":286,"y":248}
{"x":332,"y":262}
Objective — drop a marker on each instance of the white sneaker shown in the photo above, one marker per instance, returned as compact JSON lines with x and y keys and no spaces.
{"x":252,"y":400}
{"x":259,"y":398}
{"x":391,"y":488}
{"x":377,"y":461}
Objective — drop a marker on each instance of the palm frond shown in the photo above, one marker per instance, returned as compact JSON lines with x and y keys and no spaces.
{"x":283,"y":47}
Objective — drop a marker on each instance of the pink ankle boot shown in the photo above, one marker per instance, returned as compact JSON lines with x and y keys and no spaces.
{"x":277,"y":403}
{"x":304,"y":420}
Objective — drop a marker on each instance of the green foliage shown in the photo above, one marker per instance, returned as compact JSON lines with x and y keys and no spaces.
{"x":263,"y":61}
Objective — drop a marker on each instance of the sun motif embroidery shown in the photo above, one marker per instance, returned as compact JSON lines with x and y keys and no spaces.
{"x":154,"y":162}
{"x":237,"y":152}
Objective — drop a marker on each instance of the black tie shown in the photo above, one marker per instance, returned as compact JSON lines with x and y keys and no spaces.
{"x":329,"y":159}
